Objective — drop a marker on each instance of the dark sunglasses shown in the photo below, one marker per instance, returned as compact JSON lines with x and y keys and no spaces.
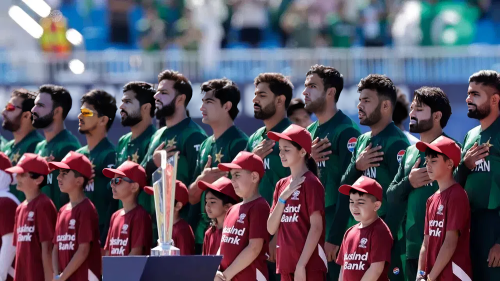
{"x":118,"y":181}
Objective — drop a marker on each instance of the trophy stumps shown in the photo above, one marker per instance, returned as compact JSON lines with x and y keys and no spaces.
{"x":164,"y":196}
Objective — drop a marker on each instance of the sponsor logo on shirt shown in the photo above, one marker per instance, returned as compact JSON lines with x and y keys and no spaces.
{"x":66,"y":242}
{"x":242,"y":217}
{"x":197,"y":147}
{"x":371,"y":172}
{"x":124,"y":228}
{"x":438,"y":228}
{"x":355,"y":261}
{"x":267,"y":166}
{"x":440,"y":210}
{"x":232,"y":231}
{"x":351,"y":144}
{"x":293,"y":211}
{"x":295,"y":195}
{"x":362,"y":242}
{"x":31,"y":216}
{"x":118,"y":245}
{"x":255,"y":143}
{"x":49,"y":178}
{"x":89,"y":187}
{"x":322,"y":164}
{"x":482,"y":166}
{"x":24,"y":233}
{"x":400,"y":155}
{"x":72,"y":223}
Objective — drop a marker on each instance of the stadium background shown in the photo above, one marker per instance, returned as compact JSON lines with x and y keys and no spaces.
{"x":85,"y":44}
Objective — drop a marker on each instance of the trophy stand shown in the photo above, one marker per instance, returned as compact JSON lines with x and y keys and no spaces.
{"x":165,"y":249}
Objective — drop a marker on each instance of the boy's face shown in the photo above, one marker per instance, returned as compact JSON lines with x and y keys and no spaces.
{"x":437,"y":167}
{"x":25,"y":182}
{"x":122,"y":189}
{"x":67,"y":181}
{"x":243,"y":181}
{"x":363,"y":208}
{"x":211,"y":108}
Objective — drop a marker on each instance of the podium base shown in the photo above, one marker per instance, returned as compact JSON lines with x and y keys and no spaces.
{"x":165,"y":250}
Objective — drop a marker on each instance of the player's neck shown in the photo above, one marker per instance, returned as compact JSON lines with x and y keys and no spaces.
{"x":446,"y":182}
{"x":95,"y":137}
{"x":175,"y":119}
{"x":53,"y":130}
{"x":20,"y":134}
{"x":129,"y":203}
{"x":177,"y":217}
{"x":140,"y":127}
{"x":255,"y":194}
{"x":32,"y":194}
{"x":298,"y":170}
{"x":221,"y":126}
{"x":486,"y":122}
{"x":274,"y":120}
{"x":432,"y":134}
{"x":368,"y":222}
{"x":220,"y":221}
{"x":76,"y":197}
{"x":326,"y":114}
{"x":380,"y":126}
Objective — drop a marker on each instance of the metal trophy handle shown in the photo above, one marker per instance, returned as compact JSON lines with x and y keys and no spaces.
{"x":164,"y":196}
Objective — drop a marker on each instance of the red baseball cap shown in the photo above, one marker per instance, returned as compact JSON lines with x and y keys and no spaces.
{"x":4,"y":162}
{"x":74,"y":161}
{"x":445,"y":146}
{"x":296,"y":134}
{"x":246,"y":161}
{"x":366,"y":185}
{"x":130,"y":170}
{"x":30,"y":162}
{"x":181,"y":192}
{"x":222,"y":185}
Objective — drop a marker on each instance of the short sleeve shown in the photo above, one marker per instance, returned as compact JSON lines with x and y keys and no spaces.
{"x":315,"y":196}
{"x":85,"y":226}
{"x":141,"y":231}
{"x":340,"y":255}
{"x":7,"y":217}
{"x":46,"y":221}
{"x":381,"y":245}
{"x":258,"y":221}
{"x":54,"y":239}
{"x":426,"y":225}
{"x":206,"y":240}
{"x":111,"y":224}
{"x":457,"y":210}
{"x":14,"y":240}
{"x":184,"y":239}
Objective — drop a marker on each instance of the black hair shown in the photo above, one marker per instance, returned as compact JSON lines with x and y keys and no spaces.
{"x":331,"y":77}
{"x":28,"y":98}
{"x":434,"y":154}
{"x":144,"y":93}
{"x":103,"y":103}
{"x":182,"y":85}
{"x":402,"y":108}
{"x":226,"y":199}
{"x":60,"y":97}
{"x":225,"y":90}
{"x":296,"y":104}
{"x":310,"y":163}
{"x":489,"y":78}
{"x":36,"y":176}
{"x":77,"y":175}
{"x":382,"y":85}
{"x":437,"y":100}
{"x":361,"y":194}
{"x":278,"y":84}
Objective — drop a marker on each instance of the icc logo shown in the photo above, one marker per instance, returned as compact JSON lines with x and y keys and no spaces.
{"x":400,"y":155}
{"x":72,"y":223}
{"x":242,"y":217}
{"x":31,"y":215}
{"x":351,"y":144}
{"x":440,"y":210}
{"x":124,"y":228}
{"x":295,"y":195}
{"x":362,"y":243}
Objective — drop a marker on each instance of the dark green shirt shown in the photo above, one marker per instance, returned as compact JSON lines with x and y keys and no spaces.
{"x":342,"y":133}
{"x":57,"y":147}
{"x":222,"y":150}
{"x":16,"y":150}
{"x":272,"y":163}
{"x":3,"y":141}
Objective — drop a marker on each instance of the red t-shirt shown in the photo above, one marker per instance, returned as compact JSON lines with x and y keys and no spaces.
{"x":363,"y":246}
{"x":295,"y":225}
{"x":75,"y":226}
{"x":183,"y":237}
{"x":448,"y":211}
{"x":7,"y":220}
{"x":129,"y":230}
{"x":245,"y":221}
{"x":211,"y":242}
{"x":35,"y":222}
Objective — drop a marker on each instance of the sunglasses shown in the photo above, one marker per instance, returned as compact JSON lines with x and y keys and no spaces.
{"x":118,"y":181}
{"x":86,"y":112}
{"x":11,"y":107}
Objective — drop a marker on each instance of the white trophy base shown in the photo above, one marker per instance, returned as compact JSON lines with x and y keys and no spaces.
{"x":165,"y":250}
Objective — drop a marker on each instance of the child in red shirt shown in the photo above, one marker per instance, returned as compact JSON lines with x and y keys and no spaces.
{"x":130,"y":229}
{"x":8,"y":206}
{"x":298,"y":211}
{"x":35,"y":221}
{"x":245,"y":240}
{"x":220,"y":196}
{"x":182,"y":234}
{"x":445,"y":250}
{"x":77,"y":252}
{"x":365,"y":253}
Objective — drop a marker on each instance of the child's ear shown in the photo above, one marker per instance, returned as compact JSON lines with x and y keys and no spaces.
{"x":227,"y":206}
{"x":255,"y":177}
{"x":450,"y":164}
{"x":135,"y":187}
{"x":178,"y":206}
{"x":378,"y":204}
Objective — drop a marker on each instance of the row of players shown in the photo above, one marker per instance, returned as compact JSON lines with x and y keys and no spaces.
{"x":376,"y":154}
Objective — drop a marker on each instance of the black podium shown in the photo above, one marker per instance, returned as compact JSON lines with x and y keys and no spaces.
{"x":147,"y":268}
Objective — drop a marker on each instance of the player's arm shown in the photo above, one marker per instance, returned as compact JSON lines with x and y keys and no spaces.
{"x":7,"y":254}
{"x":462,"y":172}
{"x":315,"y":231}
{"x":400,"y":187}
{"x":341,"y":278}
{"x":47,"y":260}
{"x":374,"y":271}
{"x":191,"y":150}
{"x":55,"y":259}
{"x":273,"y":223}
{"x":422,"y":259}
{"x":445,"y":253}
{"x":136,"y":251}
{"x":76,"y":261}
{"x":245,"y":258}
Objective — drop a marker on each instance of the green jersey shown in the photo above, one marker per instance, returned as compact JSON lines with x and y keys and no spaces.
{"x":16,"y":150}
{"x":222,"y":150}
{"x":402,"y":191}
{"x":57,"y":147}
{"x":2,"y":142}
{"x":274,"y":170}
{"x":482,"y":183}
{"x":343,"y":134}
{"x":394,"y":143}
{"x":99,"y":189}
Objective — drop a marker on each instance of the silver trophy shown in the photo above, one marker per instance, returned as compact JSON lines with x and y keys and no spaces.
{"x":164,"y":195}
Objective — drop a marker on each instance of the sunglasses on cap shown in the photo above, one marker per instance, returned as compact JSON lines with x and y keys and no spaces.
{"x":86,"y":112}
{"x":11,"y":107}
{"x":118,"y":181}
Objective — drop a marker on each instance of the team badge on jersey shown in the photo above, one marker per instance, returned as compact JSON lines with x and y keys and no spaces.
{"x":362,"y":243}
{"x":242,"y":217}
{"x":440,"y":210}
{"x":351,"y":143}
{"x":72,"y":223}
{"x":400,"y":155}
{"x":295,"y":195}
{"x":395,"y":271}
{"x":124,"y":228}
{"x":31,"y":215}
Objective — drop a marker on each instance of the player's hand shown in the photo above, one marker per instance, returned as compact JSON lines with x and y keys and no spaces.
{"x":369,"y":157}
{"x":318,"y":149}
{"x":264,"y":148}
{"x":331,"y":251}
{"x":272,"y":249}
{"x":290,"y":189}
{"x":418,"y":176}
{"x":494,"y":256}
{"x":300,"y":273}
{"x":210,"y":174}
{"x":474,"y":154}
{"x":219,"y":276}
{"x":157,"y":154}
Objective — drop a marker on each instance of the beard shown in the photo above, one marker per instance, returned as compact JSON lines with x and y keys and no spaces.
{"x":421,"y":126}
{"x":480,"y":112}
{"x":317,"y":106}
{"x":42,"y":122}
{"x":12,"y":126}
{"x":166,"y":110}
{"x":373,"y":118}
{"x":266,"y":112}
{"x":131,"y":119}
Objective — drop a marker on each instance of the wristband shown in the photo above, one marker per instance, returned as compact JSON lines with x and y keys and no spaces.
{"x":57,"y":277}
{"x":282,"y":201}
